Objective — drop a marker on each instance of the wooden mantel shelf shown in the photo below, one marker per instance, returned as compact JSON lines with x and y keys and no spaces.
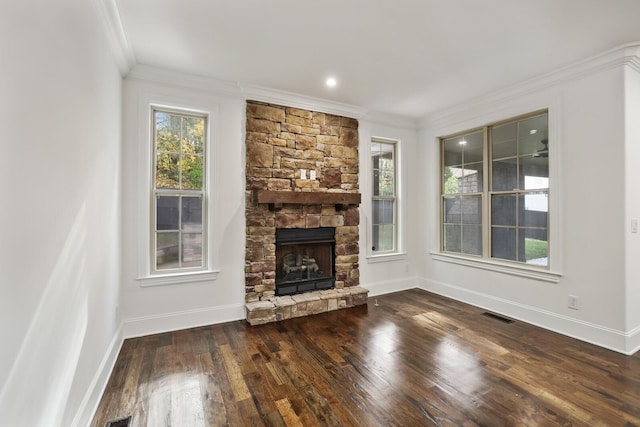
{"x":276,"y":199}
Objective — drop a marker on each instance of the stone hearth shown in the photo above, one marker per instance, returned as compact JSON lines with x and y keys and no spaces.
{"x":280,"y":142}
{"x":288,"y":307}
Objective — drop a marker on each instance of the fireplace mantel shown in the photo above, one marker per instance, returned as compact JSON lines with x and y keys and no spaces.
{"x":276,"y":199}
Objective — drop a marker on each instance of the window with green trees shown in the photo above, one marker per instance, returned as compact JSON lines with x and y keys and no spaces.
{"x":179,"y":141}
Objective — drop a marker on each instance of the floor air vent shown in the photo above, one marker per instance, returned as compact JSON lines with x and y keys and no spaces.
{"x":122,"y":422}
{"x":497,"y":317}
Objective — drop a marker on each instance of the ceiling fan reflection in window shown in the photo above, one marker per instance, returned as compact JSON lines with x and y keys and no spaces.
{"x":544,"y":151}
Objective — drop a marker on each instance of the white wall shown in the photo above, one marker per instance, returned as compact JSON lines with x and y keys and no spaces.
{"x":150,"y":309}
{"x":60,"y":111}
{"x":588,"y":224}
{"x":632,"y":197}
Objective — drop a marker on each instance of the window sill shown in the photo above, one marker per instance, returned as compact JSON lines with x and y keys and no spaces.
{"x":178,"y":278}
{"x":395,"y":256}
{"x":500,"y":267}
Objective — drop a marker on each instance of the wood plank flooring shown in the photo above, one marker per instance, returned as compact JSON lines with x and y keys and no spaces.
{"x":417,"y":359}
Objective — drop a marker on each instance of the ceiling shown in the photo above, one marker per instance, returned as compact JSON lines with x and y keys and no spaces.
{"x":405,"y":57}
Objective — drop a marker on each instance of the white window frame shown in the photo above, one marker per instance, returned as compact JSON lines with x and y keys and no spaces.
{"x":549,"y":273}
{"x":147,"y":275}
{"x":171,"y":192}
{"x":397,"y":253}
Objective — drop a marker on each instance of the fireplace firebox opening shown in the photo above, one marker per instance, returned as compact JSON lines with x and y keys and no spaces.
{"x":305,"y":260}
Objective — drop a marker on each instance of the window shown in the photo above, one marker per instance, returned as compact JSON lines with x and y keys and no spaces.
{"x":179,"y":198}
{"x":495,"y":191}
{"x":384,"y":227}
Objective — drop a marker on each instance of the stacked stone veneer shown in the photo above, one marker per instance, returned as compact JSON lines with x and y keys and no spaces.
{"x":280,"y":141}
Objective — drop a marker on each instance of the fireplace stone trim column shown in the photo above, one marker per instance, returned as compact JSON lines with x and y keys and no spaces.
{"x":280,"y":141}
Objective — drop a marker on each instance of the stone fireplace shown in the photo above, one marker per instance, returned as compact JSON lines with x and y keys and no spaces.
{"x":301,"y":183}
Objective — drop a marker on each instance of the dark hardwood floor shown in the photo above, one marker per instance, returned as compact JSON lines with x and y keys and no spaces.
{"x":416,"y":359}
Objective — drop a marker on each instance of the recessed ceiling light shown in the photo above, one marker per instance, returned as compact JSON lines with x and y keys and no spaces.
{"x":331,"y":82}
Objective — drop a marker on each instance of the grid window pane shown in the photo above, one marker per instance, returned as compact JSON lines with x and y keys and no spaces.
{"x":383,"y":211}
{"x":167,"y":132}
{"x":503,"y":210}
{"x":531,"y":133}
{"x":533,"y":210}
{"x":168,"y":213}
{"x":503,"y":243}
{"x":471,"y":179}
{"x":471,"y":208}
{"x":179,"y":149}
{"x":504,"y":175}
{"x":382,"y":156}
{"x":383,"y":238}
{"x":472,"y":239}
{"x":536,"y":247}
{"x":192,"y":250}
{"x":472,"y":147}
{"x":451,"y":181}
{"x":452,"y":152}
{"x":534,"y":173}
{"x":192,"y":135}
{"x":503,"y":140}
{"x":452,"y":210}
{"x":167,"y":250}
{"x":168,"y":170}
{"x":192,"y":214}
{"x":191,"y":170}
{"x":453,"y":238}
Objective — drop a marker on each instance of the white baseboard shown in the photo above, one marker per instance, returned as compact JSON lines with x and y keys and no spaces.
{"x":91,"y":400}
{"x":633,"y":340}
{"x":621,"y":342}
{"x":168,"y":322}
{"x":387,"y":286}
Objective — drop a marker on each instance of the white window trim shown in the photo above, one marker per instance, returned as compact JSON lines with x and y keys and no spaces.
{"x":553,"y":273}
{"x":522,"y":270}
{"x":145,"y":277}
{"x":178,"y":278}
{"x":399,"y":253}
{"x":387,"y":257}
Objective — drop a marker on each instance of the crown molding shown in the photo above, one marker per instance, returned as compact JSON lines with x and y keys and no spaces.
{"x":279,"y":97}
{"x":620,"y":56}
{"x":632,"y":56}
{"x":109,"y":16}
{"x":148,"y":73}
{"x":394,"y":120}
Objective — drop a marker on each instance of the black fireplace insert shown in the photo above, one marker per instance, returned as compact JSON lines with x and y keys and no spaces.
{"x":305,"y":259}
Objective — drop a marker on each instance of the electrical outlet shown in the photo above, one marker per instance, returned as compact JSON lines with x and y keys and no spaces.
{"x":303,"y":174}
{"x":573,"y":302}
{"x":312,"y":174}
